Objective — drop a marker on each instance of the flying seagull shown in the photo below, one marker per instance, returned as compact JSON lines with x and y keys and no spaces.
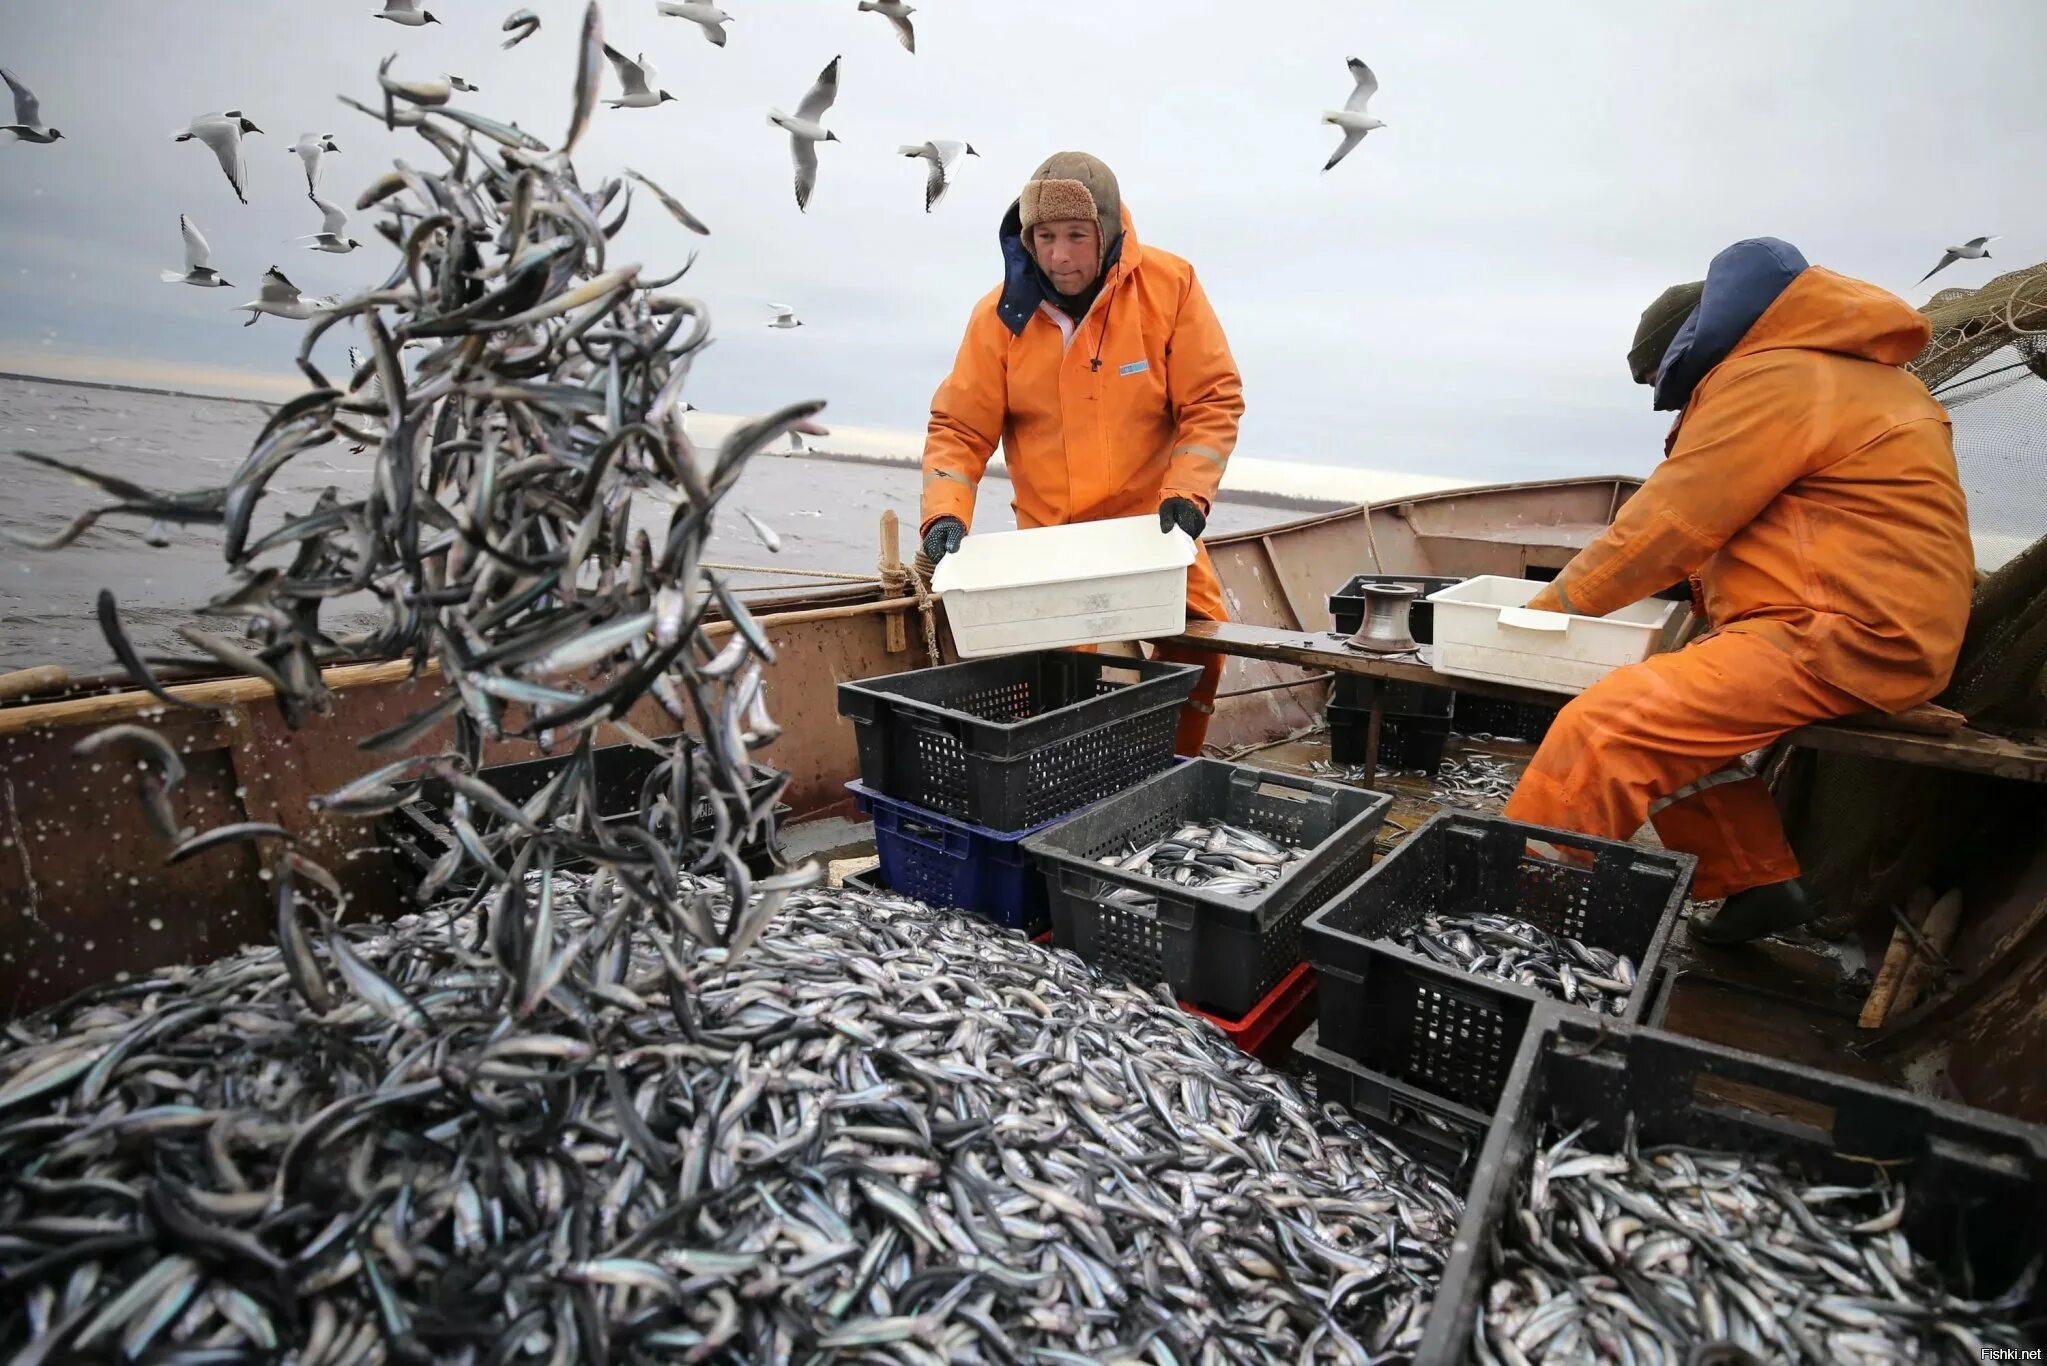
{"x":525,"y":21}
{"x":898,"y":14}
{"x":280,"y":298}
{"x":198,"y":261}
{"x":310,"y":148}
{"x":805,"y":132}
{"x":704,"y":15}
{"x":1352,"y":118}
{"x":943,"y":156}
{"x":637,"y":75}
{"x":332,"y":234}
{"x":223,"y":133}
{"x":28,"y":114}
{"x":1975,"y":249}
{"x":785,"y":317}
{"x":406,"y":12}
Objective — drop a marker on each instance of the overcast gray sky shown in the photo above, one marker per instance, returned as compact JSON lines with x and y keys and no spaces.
{"x":1455,"y":298}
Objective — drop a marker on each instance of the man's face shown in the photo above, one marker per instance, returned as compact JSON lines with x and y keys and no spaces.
{"x":1069,"y":252}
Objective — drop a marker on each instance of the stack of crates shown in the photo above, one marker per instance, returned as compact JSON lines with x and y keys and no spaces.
{"x":1220,"y":953}
{"x":1415,"y":721}
{"x":959,"y":764}
{"x":1401,"y":1033}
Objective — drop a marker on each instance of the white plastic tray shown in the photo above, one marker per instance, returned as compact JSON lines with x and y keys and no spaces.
{"x":1084,"y":584}
{"x":1484,"y":629}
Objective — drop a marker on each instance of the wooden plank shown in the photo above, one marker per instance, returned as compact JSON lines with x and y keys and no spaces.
{"x":1966,"y":751}
{"x":1325,"y":650}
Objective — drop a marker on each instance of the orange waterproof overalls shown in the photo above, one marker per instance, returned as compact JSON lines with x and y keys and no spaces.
{"x":1810,"y":487}
{"x":1137,"y":403}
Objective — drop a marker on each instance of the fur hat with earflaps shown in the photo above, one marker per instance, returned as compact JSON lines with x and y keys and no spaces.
{"x":1073,"y":185}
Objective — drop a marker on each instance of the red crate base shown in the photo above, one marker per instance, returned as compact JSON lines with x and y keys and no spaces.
{"x":1261,"y":1022}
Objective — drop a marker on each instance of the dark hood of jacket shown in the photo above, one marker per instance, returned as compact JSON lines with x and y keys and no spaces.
{"x":1741,"y":284}
{"x":1024,"y":286}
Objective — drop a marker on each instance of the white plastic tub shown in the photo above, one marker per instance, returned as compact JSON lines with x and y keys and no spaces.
{"x":1484,"y":629}
{"x":1009,"y":591}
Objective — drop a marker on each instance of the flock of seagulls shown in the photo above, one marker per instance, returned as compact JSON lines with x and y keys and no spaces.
{"x":639,"y":88}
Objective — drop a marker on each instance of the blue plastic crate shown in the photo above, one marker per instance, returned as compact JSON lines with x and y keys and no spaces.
{"x":943,"y":862}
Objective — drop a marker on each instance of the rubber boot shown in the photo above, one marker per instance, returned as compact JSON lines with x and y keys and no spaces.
{"x":1770,"y":909}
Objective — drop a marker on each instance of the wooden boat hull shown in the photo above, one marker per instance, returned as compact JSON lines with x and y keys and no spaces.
{"x":85,"y":895}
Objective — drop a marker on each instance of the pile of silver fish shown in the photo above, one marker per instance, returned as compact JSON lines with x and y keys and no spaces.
{"x":1510,"y":949}
{"x":1215,"y":857}
{"x":1475,"y":782}
{"x":884,"y":1132}
{"x":1651,"y":1256}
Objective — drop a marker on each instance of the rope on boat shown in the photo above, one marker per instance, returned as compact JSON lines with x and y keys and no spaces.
{"x":832,"y":574}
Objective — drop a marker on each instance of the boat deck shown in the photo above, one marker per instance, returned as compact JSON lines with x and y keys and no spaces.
{"x":1785,"y":998}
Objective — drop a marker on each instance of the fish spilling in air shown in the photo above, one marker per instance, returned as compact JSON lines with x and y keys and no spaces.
{"x":1223,"y":859}
{"x":495,"y":537}
{"x":1657,"y":1254}
{"x":1510,"y":949}
{"x":885,"y":1131}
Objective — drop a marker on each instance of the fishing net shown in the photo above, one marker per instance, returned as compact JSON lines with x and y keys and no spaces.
{"x":1869,"y":831}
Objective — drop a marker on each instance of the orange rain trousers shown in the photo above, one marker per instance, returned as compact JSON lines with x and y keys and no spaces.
{"x":1647,"y":731}
{"x":1810,"y":487}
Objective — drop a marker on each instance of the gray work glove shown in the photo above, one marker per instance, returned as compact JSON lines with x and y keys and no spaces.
{"x":1183,"y":513}
{"x":943,"y":538}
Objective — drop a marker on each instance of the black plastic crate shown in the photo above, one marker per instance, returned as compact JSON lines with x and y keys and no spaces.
{"x":1440,"y":1132}
{"x":1347,"y":604}
{"x":421,"y":833}
{"x":1403,"y":699}
{"x":1220,"y":952}
{"x":1978,"y":1181}
{"x":1528,"y":721}
{"x":1432,"y":1026}
{"x":1014,"y":742}
{"x":1404,"y":741}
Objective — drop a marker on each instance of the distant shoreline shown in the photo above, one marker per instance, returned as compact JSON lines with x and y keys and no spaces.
{"x":1286,"y":502}
{"x":134,"y":388}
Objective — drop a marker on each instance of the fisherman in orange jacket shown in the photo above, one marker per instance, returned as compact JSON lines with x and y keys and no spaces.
{"x":1809,"y":492}
{"x":1102,"y":371}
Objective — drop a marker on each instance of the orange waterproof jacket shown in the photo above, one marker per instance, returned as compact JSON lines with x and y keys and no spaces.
{"x":1811,"y":487}
{"x":1136,"y":404}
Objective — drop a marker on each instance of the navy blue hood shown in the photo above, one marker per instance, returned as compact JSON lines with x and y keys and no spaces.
{"x":1741,"y":284}
{"x":1024,"y":286}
